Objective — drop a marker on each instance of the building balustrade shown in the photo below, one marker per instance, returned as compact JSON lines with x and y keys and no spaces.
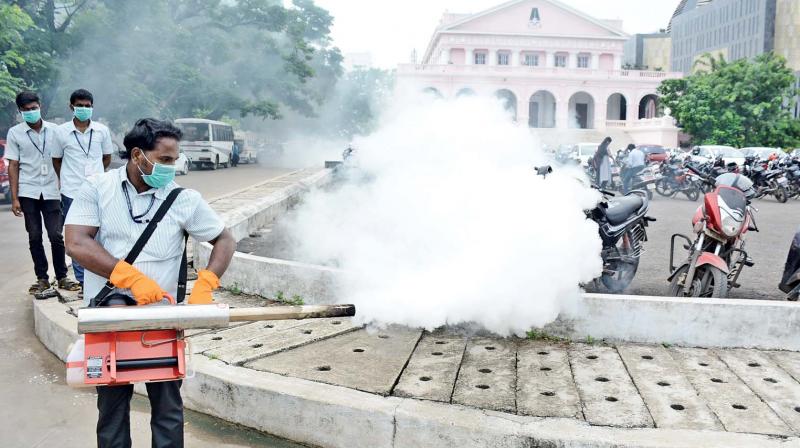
{"x":532,"y":70}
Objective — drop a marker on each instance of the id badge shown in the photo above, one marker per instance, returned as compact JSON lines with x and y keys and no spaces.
{"x":44,"y":170}
{"x":88,"y":170}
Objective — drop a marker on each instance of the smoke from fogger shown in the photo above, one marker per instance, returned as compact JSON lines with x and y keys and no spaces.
{"x":453,"y":225}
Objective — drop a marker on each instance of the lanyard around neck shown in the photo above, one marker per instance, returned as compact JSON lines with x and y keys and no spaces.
{"x":44,"y":140}
{"x":137,"y":218}
{"x":85,"y":151}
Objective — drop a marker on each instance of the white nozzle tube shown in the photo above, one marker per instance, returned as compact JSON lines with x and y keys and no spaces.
{"x":154,"y":317}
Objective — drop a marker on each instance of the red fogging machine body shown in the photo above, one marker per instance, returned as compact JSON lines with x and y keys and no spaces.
{"x":125,"y":345}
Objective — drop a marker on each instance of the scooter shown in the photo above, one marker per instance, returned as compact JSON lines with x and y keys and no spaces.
{"x":717,"y":254}
{"x":790,"y":282}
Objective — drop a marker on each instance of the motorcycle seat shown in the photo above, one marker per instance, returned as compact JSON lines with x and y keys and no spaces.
{"x":620,"y":209}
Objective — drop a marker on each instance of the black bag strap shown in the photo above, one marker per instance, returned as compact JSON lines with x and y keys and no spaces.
{"x":139,"y":245}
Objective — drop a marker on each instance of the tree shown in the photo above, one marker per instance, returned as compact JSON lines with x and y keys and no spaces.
{"x":15,"y":21}
{"x":741,"y":103}
{"x":178,"y":58}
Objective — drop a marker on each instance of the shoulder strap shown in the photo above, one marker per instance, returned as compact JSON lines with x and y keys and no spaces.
{"x":139,"y":245}
{"x":151,"y":226}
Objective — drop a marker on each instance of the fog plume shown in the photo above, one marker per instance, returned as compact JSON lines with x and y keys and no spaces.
{"x":444,"y":221}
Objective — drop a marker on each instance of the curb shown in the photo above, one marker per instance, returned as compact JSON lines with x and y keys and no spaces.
{"x":337,"y":417}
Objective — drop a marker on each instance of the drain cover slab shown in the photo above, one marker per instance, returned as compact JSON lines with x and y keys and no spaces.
{"x":228,"y":336}
{"x":432,"y":370}
{"x":667,"y":392}
{"x":545,"y":387}
{"x":375,"y":370}
{"x":274,"y":340}
{"x":736,"y":406}
{"x":487,"y":378}
{"x":771,"y":383}
{"x":607,"y":392}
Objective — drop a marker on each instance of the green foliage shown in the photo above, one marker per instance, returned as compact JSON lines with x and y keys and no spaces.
{"x":740,"y":103}
{"x":540,"y":335}
{"x":235,"y":290}
{"x":214,"y":59}
{"x":295,"y":300}
{"x":280,"y":297}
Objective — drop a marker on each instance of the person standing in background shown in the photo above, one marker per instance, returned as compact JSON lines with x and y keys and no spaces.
{"x":634,"y":164}
{"x":602,"y":164}
{"x":34,"y":190}
{"x":83,"y":148}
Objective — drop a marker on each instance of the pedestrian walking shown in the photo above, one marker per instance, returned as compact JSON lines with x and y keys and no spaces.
{"x":82,"y":149}
{"x":108,"y":216}
{"x":602,"y":164}
{"x":634,"y":164}
{"x":34,"y":190}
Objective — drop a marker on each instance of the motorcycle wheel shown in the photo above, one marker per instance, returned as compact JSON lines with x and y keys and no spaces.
{"x":624,"y":272}
{"x":781,"y":195}
{"x":664,"y":188}
{"x":708,"y":282}
{"x":692,"y":194}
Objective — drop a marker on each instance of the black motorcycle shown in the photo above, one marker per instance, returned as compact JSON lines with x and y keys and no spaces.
{"x":622,"y":222}
{"x":677,"y":179}
{"x":790,"y":282}
{"x":766,"y":181}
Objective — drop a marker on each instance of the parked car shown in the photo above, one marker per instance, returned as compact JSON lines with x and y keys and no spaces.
{"x":654,"y":153}
{"x":585,"y":151}
{"x":761,"y":153}
{"x":707,"y":153}
{"x":182,"y":165}
{"x":5,"y":189}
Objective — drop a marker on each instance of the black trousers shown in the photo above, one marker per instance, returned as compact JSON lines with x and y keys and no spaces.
{"x":166,"y":415}
{"x":49,"y":211}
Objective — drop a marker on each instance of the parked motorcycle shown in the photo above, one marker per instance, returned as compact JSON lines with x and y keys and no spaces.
{"x":677,"y":179}
{"x":766,"y":179}
{"x":717,"y":254}
{"x":790,"y":282}
{"x":622,"y":223}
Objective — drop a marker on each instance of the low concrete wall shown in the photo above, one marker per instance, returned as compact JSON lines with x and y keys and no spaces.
{"x":686,"y":322}
{"x":267,"y":276}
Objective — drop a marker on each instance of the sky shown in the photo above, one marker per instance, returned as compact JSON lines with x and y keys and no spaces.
{"x":391,"y":29}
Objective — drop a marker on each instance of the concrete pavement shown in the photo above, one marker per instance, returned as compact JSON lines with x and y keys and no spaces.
{"x":38,"y":408}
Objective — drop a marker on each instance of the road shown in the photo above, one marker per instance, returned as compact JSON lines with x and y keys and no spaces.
{"x":38,"y":409}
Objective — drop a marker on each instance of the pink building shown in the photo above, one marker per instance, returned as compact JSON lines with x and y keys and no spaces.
{"x":553,"y":66}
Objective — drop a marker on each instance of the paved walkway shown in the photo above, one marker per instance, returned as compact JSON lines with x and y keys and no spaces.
{"x":623,"y":385}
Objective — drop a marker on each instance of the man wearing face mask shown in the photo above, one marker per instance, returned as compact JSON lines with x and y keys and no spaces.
{"x":107,"y":217}
{"x":83,"y":148}
{"x":34,"y":190}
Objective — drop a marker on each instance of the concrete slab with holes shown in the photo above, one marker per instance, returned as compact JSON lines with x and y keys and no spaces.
{"x":545,"y":387}
{"x":488,"y":378}
{"x":432,"y":370}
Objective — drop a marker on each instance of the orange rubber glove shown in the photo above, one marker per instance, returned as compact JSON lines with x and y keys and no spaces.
{"x":145,"y":290}
{"x":206,"y":282}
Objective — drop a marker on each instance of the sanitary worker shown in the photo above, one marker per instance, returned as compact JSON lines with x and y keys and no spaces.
{"x":83,"y":148}
{"x":34,"y":190}
{"x":601,"y":161}
{"x":107,"y":216}
{"x":634,"y":164}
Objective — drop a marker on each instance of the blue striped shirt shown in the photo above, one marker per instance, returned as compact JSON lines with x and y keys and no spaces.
{"x":101,"y":203}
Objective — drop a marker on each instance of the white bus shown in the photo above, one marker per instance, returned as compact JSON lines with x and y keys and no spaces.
{"x":206,"y":143}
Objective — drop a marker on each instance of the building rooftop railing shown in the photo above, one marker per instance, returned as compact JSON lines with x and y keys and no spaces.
{"x":458,"y":69}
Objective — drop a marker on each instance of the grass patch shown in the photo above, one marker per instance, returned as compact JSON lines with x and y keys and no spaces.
{"x":540,"y":335}
{"x":280,"y":296}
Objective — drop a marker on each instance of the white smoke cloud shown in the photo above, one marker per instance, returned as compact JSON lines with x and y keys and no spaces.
{"x":452,"y":224}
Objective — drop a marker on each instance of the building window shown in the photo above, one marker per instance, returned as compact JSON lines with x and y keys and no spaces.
{"x":531,"y":60}
{"x":503,"y":58}
{"x":561,"y":60}
{"x":535,"y":19}
{"x":480,"y":58}
{"x":583,"y":61}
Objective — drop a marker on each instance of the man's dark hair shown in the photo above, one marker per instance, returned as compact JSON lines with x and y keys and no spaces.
{"x":81,"y":94}
{"x":25,"y":98}
{"x":145,"y":135}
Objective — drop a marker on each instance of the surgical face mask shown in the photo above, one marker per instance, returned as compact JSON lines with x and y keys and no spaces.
{"x":31,"y":116}
{"x":161,"y":175}
{"x":82,"y":113}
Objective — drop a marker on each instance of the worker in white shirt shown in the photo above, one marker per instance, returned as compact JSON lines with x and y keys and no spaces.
{"x":83,"y":148}
{"x":34,"y":190}
{"x":634,"y":164}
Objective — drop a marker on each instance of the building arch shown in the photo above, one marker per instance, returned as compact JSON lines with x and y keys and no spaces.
{"x":433,"y":91}
{"x":509,"y":101}
{"x":581,"y":111}
{"x":542,"y":110}
{"x":466,"y":91}
{"x":648,"y":106}
{"x":617,"y":107}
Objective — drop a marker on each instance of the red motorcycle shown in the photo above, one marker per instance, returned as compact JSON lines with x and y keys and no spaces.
{"x":717,"y":254}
